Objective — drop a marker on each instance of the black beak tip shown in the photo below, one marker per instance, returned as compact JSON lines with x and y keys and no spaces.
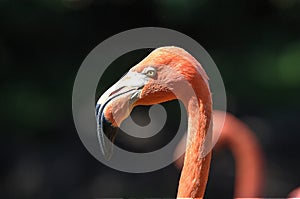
{"x":106,"y":133}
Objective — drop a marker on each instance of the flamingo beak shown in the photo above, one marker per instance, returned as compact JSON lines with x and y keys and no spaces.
{"x":114,"y":106}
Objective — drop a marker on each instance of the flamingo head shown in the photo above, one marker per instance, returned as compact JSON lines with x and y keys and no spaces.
{"x":156,"y":79}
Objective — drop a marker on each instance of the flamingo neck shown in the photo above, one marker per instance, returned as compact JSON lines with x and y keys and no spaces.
{"x":195,"y":170}
{"x":248,"y":155}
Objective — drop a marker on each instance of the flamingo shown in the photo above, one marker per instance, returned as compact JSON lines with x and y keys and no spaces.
{"x":295,"y":193}
{"x":241,"y":140}
{"x":167,"y":73}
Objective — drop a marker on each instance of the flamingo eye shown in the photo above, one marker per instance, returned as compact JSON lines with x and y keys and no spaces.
{"x":150,"y":72}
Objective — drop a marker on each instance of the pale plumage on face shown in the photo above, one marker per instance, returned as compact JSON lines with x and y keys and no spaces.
{"x":153,"y":80}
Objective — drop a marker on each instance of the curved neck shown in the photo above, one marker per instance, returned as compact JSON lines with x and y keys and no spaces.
{"x":195,"y":170}
{"x":247,"y":154}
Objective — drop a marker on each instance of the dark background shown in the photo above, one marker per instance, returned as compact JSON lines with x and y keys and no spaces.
{"x":256,"y":45}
